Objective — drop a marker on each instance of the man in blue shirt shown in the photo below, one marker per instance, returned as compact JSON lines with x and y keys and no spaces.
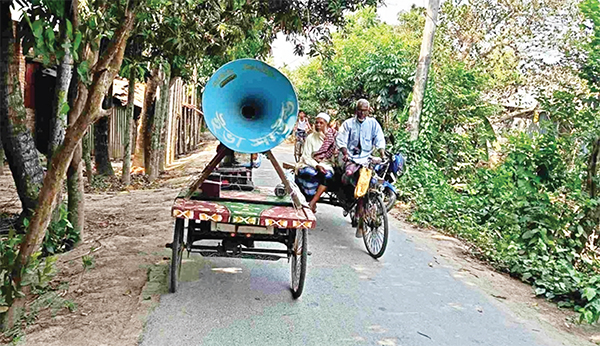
{"x":357,"y":139}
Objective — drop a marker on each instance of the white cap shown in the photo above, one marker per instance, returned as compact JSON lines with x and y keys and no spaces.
{"x":324,"y":116}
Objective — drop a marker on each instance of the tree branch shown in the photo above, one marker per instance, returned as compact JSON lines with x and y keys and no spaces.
{"x":515,"y":114}
{"x":106,"y":59}
{"x":56,"y":173}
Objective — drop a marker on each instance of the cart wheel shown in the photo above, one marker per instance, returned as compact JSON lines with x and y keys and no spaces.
{"x":177,"y":247}
{"x":299,"y":258}
{"x":375,"y":231}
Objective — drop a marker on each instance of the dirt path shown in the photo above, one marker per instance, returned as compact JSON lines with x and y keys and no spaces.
{"x":126,"y":233}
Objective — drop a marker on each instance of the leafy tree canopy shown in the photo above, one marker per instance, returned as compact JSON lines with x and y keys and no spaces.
{"x":371,"y":59}
{"x":591,"y":68}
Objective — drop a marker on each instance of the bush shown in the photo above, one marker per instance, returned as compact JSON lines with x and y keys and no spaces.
{"x":60,"y":236}
{"x":528,"y":217}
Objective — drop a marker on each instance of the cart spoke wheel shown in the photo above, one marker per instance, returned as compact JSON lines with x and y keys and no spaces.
{"x":375,"y":231}
{"x":177,"y":255}
{"x":299,"y":258}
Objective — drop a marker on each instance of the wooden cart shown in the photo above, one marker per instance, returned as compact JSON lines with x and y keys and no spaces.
{"x":237,"y":219}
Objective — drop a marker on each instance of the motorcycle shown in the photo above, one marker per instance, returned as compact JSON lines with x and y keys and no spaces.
{"x":389,"y":171}
{"x":374,"y":216}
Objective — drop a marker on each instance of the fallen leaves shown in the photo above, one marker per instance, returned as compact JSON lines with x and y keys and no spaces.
{"x":388,"y":342}
{"x":231,"y":270}
{"x":376,"y":329}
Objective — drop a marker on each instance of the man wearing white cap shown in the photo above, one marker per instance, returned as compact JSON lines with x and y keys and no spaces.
{"x":313,"y":175}
{"x":357,"y":139}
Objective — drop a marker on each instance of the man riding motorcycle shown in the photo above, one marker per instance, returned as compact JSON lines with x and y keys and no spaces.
{"x":357,"y":139}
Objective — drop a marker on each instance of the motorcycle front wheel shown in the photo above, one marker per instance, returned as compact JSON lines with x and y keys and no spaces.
{"x":375,"y":222}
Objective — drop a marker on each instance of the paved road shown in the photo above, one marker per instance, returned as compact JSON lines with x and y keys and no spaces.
{"x":349,"y":298}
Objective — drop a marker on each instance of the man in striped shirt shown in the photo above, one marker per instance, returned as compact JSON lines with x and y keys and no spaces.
{"x":329,"y":149}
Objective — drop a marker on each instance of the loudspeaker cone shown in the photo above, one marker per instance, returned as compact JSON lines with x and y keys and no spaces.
{"x":249,"y":106}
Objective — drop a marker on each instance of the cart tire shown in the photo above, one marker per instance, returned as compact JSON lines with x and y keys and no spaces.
{"x":177,"y":248}
{"x":375,"y":231}
{"x":299,"y":259}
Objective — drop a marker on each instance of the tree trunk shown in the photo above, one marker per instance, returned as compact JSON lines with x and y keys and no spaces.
{"x":76,"y":204}
{"x":18,"y":142}
{"x":162,"y":155}
{"x":76,"y":194}
{"x":170,"y":142}
{"x":101,"y":154}
{"x":155,"y":128}
{"x":1,"y":155}
{"x":590,"y":221}
{"x":416,"y":106}
{"x":87,"y":157}
{"x":103,"y":74}
{"x":151,"y":114}
{"x":126,"y":175}
{"x":140,"y":143}
{"x":102,"y":128}
{"x":59,"y":112}
{"x":60,"y":106}
{"x":161,"y":151}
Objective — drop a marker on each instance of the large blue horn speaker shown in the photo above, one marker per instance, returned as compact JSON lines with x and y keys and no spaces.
{"x":249,"y":106}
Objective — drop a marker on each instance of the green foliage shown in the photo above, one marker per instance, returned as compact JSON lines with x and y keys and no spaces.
{"x":455,"y":126}
{"x":192,"y":33}
{"x":529,"y":216}
{"x":50,"y":33}
{"x":371,"y":60}
{"x":591,"y":69}
{"x":37,"y":274}
{"x":40,"y":268}
{"x":60,"y":236}
{"x":524,"y":209}
{"x":9,"y":247}
{"x":255,"y":44}
{"x":88,"y":261}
